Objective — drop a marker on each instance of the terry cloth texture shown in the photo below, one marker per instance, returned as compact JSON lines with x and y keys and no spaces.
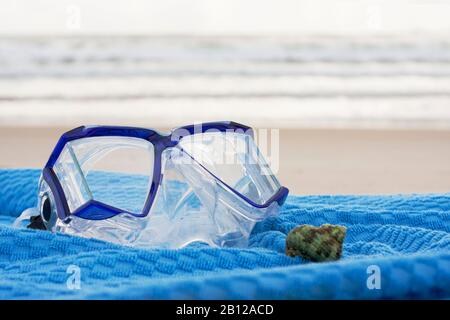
{"x":405,"y":237}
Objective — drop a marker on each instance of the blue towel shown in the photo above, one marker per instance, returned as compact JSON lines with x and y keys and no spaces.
{"x":406,"y":238}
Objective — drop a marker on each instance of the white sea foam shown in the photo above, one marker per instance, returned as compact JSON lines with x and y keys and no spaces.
{"x":392,"y":82}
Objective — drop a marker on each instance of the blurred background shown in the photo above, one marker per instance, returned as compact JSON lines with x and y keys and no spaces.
{"x":360,"y":90}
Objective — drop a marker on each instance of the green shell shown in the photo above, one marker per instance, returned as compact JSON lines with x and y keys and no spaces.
{"x":316,"y":244}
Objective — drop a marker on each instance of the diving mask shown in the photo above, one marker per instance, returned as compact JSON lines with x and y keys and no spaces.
{"x":138,"y":187}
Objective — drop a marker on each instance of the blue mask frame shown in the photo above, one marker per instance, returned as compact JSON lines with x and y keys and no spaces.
{"x":96,"y":210}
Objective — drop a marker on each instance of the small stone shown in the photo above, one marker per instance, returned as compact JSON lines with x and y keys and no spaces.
{"x":316,"y":244}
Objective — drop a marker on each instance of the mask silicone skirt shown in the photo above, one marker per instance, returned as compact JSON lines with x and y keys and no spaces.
{"x":138,"y":187}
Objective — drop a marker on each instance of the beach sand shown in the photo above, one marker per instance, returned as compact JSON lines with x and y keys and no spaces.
{"x":311,"y":161}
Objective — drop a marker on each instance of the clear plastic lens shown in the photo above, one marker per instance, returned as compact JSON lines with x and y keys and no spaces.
{"x":71,"y":178}
{"x":235,"y":159}
{"x":114,"y":170}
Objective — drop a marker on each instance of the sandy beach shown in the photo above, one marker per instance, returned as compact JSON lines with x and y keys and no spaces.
{"x":311,"y":161}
